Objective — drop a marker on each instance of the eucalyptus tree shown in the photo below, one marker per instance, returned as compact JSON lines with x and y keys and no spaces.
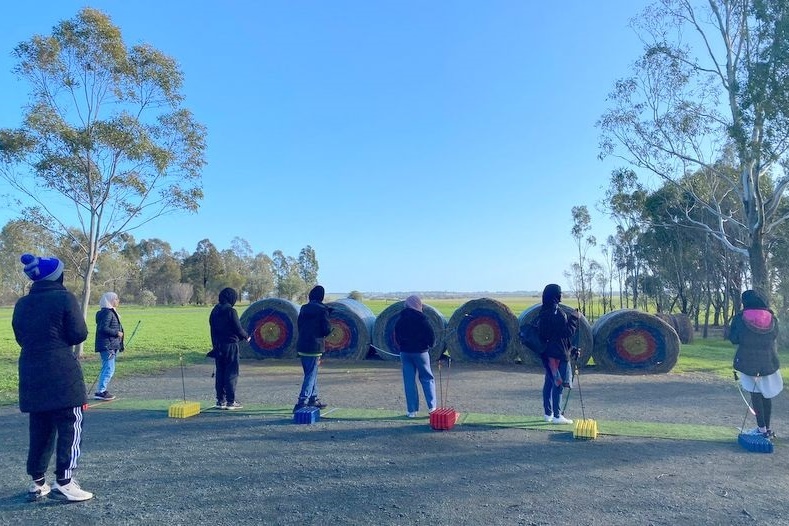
{"x":582,"y":224}
{"x":16,"y":238}
{"x":712,"y":82}
{"x":105,"y":143}
{"x":624,"y":201}
{"x":261,"y":280}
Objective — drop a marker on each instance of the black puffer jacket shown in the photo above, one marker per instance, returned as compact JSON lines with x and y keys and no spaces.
{"x":47,"y":324}
{"x":413,"y":331}
{"x":108,"y":325}
{"x":755,"y":332}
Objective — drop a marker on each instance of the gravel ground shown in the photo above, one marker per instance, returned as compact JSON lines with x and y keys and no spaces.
{"x":256,"y":468}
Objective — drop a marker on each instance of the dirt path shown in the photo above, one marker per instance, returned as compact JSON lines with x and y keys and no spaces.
{"x":227,"y":468}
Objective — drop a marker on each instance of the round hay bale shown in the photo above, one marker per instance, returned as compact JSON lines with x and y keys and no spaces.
{"x":271,"y":323}
{"x":352,"y":327}
{"x":684,"y":327}
{"x":483,"y":330}
{"x":633,"y":342}
{"x":583,"y":336}
{"x":385,"y":339}
{"x":668,"y":318}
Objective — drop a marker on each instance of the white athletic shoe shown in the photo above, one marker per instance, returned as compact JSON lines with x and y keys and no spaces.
{"x":561,"y":420}
{"x":548,"y":417}
{"x":411,"y":414}
{"x":71,"y":492}
{"x":35,"y":492}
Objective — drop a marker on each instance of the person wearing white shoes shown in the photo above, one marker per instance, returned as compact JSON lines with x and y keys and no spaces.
{"x":415,"y":337}
{"x":226,"y":333}
{"x":47,"y":324}
{"x":556,"y":329}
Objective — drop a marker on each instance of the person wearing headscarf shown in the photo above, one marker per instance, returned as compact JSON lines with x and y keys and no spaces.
{"x":415,"y":337}
{"x":314,"y":326}
{"x":47,"y":324}
{"x":226,"y":332}
{"x":109,"y":342}
{"x":556,"y":329}
{"x":755,"y":333}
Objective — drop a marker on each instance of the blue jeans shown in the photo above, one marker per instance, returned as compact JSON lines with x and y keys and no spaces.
{"x":418,"y":363}
{"x":552,"y":393}
{"x":107,"y":370}
{"x":309,"y":387}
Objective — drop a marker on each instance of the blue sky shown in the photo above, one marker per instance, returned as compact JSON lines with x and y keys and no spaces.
{"x":434,"y":146}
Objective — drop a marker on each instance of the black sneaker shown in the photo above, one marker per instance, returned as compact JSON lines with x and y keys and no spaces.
{"x":299,"y":406}
{"x":317,"y":403}
{"x":105,"y":395}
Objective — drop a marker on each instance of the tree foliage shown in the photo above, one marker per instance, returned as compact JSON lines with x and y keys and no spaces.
{"x":105,"y":132}
{"x":709,"y":96}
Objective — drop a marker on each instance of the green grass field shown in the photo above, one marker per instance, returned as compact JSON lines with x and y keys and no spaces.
{"x":169,"y":334}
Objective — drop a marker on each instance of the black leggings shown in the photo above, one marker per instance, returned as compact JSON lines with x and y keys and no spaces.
{"x":763,"y":407}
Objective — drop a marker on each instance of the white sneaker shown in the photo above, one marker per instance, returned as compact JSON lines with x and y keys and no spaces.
{"x":71,"y":492}
{"x":430,"y":411}
{"x":561,"y":420}
{"x":35,"y":492}
{"x":548,"y":417}
{"x":411,"y":415}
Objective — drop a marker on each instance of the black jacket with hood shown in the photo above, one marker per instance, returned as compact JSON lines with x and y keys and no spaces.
{"x":556,"y":327}
{"x":313,"y":323}
{"x":755,"y":332}
{"x":226,"y":329}
{"x":47,"y":324}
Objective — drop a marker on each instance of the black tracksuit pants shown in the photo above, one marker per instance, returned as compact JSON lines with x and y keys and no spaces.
{"x":59,"y":430}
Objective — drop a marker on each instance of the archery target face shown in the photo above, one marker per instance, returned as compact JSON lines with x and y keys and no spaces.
{"x":344,"y":337}
{"x":483,"y":335}
{"x":636,"y":347}
{"x":272,"y":332}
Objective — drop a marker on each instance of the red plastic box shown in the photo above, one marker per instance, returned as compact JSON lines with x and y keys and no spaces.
{"x":444,"y":418}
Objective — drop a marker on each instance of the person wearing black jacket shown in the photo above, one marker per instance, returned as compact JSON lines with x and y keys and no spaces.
{"x":755,"y":333}
{"x":47,"y":324}
{"x":313,"y":324}
{"x":109,"y":342}
{"x":226,"y":332}
{"x":556,"y":329}
{"x":415,"y":337}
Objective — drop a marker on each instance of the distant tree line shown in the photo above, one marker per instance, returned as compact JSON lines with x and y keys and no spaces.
{"x":149,"y":272}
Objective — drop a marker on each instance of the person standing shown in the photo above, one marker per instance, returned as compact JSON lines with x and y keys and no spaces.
{"x":556,"y":329}
{"x":109,"y":342}
{"x":415,"y":337}
{"x":313,"y":324}
{"x":755,"y":332}
{"x":47,"y":324}
{"x":226,"y":332}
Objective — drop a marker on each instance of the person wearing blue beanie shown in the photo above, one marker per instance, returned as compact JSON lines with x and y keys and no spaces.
{"x":47,"y":324}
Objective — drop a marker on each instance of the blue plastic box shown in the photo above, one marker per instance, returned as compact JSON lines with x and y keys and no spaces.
{"x":307,"y":415}
{"x":755,"y":443}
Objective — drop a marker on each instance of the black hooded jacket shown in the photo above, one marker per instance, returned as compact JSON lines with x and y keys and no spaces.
{"x":225,"y":326}
{"x":413,"y":331}
{"x":47,"y":324}
{"x":556,"y":327}
{"x":313,"y":323}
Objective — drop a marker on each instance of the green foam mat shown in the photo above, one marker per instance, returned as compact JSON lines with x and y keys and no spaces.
{"x":605,"y":427}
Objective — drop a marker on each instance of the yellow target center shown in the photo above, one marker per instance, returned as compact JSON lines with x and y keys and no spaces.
{"x":636,"y":344}
{"x":269,"y":332}
{"x":482,"y":334}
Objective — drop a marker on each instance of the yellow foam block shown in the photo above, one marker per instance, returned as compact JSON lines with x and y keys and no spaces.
{"x":585,"y":429}
{"x":183,"y":409}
